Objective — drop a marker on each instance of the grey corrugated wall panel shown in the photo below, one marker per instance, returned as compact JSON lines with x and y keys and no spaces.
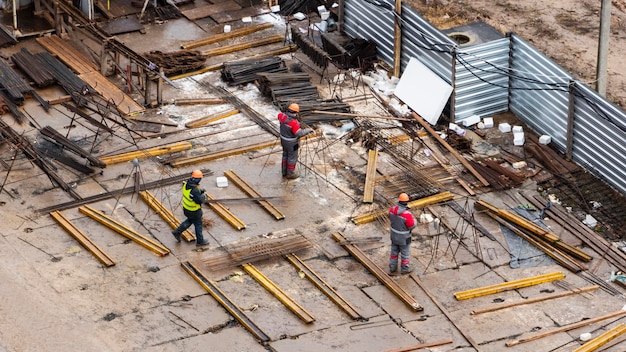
{"x":599,"y":136}
{"x":481,"y":80}
{"x":364,"y":20}
{"x":425,"y":42}
{"x":537,"y":104}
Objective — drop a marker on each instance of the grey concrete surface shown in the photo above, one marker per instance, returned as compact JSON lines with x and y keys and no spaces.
{"x":56,"y":296}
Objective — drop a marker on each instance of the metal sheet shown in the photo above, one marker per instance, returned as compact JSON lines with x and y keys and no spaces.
{"x":422,"y":40}
{"x":599,"y":135}
{"x":539,"y":94}
{"x":481,"y":80}
{"x":363,"y":19}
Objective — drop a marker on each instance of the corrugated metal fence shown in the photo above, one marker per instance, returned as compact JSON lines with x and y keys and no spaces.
{"x":505,"y":75}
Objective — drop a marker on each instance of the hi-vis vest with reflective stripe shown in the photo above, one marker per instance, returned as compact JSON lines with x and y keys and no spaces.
{"x":188,"y":203}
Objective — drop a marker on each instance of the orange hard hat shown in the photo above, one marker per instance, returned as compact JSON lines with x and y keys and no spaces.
{"x":403,"y":197}
{"x":196,"y":174}
{"x":294,"y":107}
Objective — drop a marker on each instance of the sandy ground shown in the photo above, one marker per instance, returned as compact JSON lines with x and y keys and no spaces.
{"x":566,"y":31}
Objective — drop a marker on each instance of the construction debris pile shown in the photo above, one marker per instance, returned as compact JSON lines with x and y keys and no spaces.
{"x":178,"y":61}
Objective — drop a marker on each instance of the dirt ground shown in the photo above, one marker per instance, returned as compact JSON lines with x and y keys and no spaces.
{"x":566,"y":31}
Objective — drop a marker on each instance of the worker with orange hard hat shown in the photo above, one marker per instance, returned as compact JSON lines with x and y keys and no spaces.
{"x":193,"y":197}
{"x":290,"y":133}
{"x":402,"y":222}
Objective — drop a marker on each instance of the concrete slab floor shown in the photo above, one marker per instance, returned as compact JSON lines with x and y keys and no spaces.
{"x":56,"y":296}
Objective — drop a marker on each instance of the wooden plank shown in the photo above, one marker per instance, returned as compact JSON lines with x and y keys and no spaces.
{"x":370,"y":176}
{"x":230,"y":16}
{"x":242,"y":46}
{"x":456,"y":154}
{"x":67,"y":54}
{"x":124,"y":104}
{"x":206,"y":11}
{"x":223,"y":36}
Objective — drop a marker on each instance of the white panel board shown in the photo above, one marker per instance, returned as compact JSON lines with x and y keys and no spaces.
{"x":423,"y":91}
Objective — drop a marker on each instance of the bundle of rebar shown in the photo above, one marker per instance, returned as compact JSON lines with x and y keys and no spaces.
{"x":177,"y":62}
{"x":257,"y":250}
{"x":33,"y":155}
{"x":308,"y":108}
{"x":4,"y":108}
{"x":238,"y":104}
{"x":11,"y":84}
{"x":33,"y":68}
{"x":15,"y":87}
{"x":245,"y":71}
{"x":52,"y":135}
{"x":287,"y":87}
{"x":496,"y":178}
{"x":71,"y":83}
{"x":310,"y":49}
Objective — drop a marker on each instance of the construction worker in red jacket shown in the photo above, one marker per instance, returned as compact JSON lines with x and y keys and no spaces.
{"x":193,"y":197}
{"x":402,"y":222}
{"x":290,"y":133}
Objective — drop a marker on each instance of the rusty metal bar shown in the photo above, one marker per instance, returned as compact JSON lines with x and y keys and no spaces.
{"x":82,"y":239}
{"x":370,"y":176}
{"x":223,"y":36}
{"x":165,"y":214}
{"x":145,"y":153}
{"x":542,"y":233}
{"x":323,"y":286}
{"x":241,"y":46}
{"x":125,"y":230}
{"x":456,"y":154}
{"x":275,"y":244}
{"x":247,"y":189}
{"x":379,"y":273}
{"x":566,"y":328}
{"x":232,"y":308}
{"x":198,"y":101}
{"x":53,"y":135}
{"x":224,"y":213}
{"x":221,"y":154}
{"x":418,"y":203}
{"x":120,"y":192}
{"x":277,"y":292}
{"x":536,"y":299}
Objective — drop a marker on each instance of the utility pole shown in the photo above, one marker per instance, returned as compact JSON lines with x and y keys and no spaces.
{"x":603,"y":47}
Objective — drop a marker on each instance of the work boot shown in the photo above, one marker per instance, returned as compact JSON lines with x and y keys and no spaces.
{"x":202,"y":243}
{"x":176,"y":236}
{"x":407,"y":269}
{"x":292,"y":175}
{"x":393,"y":269}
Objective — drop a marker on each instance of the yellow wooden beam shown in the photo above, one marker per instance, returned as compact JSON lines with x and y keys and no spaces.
{"x":370,"y":176}
{"x":146,"y":153}
{"x":277,"y":292}
{"x":211,"y":118}
{"x":603,"y":339}
{"x":223,"y":36}
{"x":242,"y":46}
{"x":418,"y":203}
{"x":124,"y":230}
{"x":510,"y":285}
